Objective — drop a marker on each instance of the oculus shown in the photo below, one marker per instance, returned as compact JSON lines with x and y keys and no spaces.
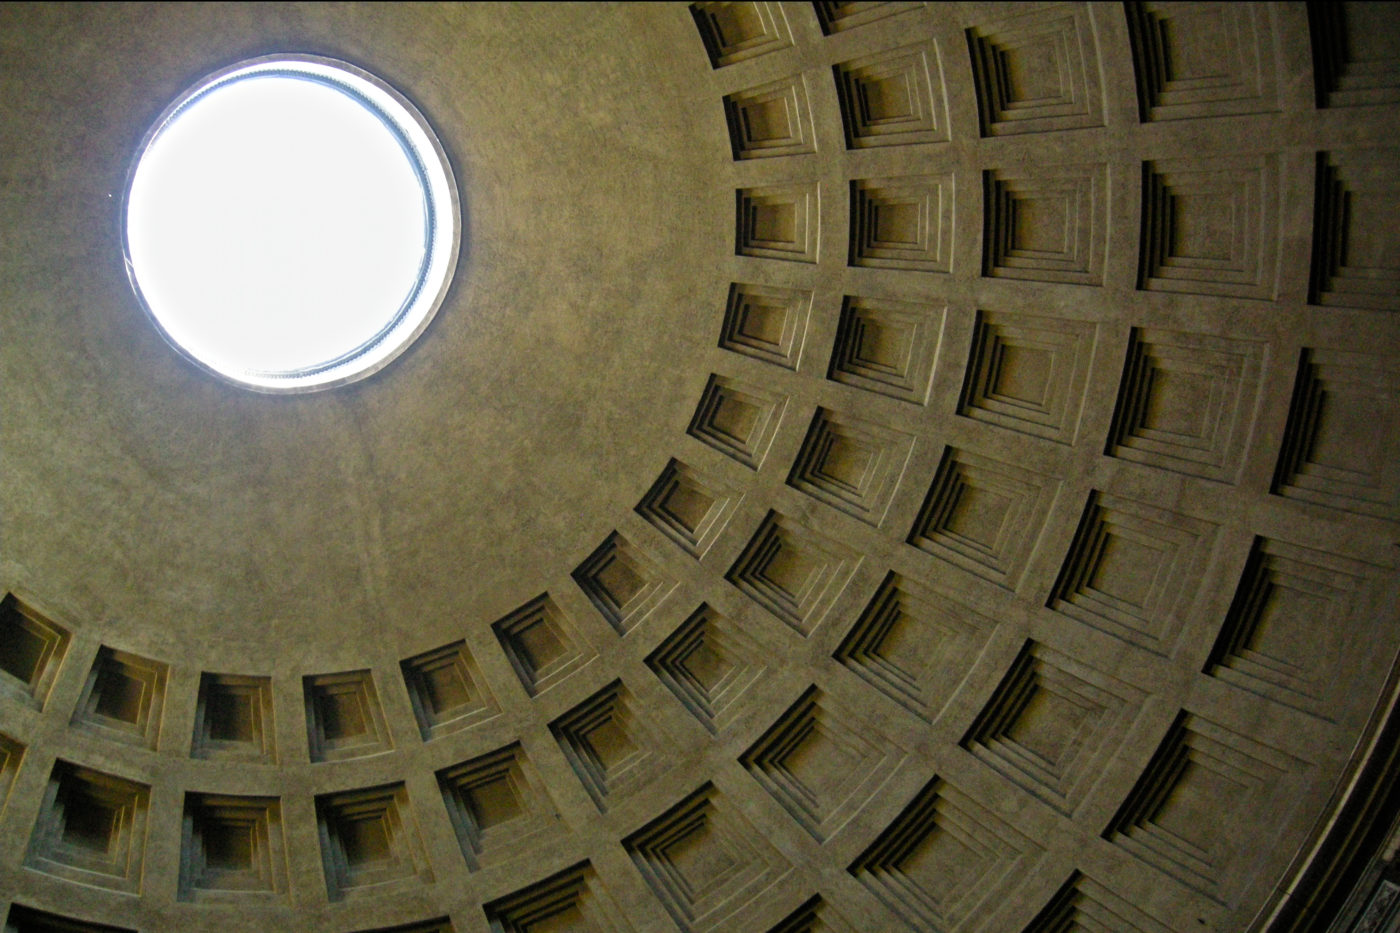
{"x":291,"y":223}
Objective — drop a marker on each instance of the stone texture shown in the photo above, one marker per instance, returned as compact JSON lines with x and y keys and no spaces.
{"x":877,"y":467}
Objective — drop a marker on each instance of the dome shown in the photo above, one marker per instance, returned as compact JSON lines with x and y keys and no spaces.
{"x":874,"y":467}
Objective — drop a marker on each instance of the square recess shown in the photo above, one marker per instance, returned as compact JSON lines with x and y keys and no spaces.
{"x":31,"y":650}
{"x":232,"y":847}
{"x":233,"y":718}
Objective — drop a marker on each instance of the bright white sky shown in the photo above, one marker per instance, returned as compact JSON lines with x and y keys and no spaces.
{"x":275,"y":224}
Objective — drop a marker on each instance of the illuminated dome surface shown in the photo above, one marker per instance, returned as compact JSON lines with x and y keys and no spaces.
{"x":291,"y":223}
{"x":882,"y":467}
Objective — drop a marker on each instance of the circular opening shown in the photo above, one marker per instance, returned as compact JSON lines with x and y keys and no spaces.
{"x":291,"y":223}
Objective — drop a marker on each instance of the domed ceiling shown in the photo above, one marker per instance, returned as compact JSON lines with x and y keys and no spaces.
{"x":878,"y":466}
